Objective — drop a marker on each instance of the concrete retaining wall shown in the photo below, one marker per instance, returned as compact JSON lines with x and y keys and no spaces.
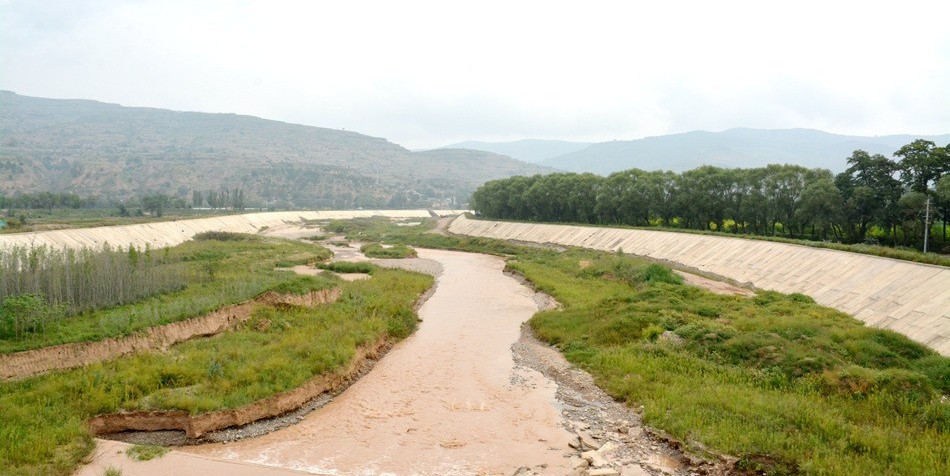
{"x":170,"y":233}
{"x":910,"y":298}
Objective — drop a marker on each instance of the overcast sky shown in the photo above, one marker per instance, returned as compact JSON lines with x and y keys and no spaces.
{"x":425,"y":74}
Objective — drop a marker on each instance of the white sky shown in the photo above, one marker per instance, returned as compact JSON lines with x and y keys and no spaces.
{"x":425,"y":74}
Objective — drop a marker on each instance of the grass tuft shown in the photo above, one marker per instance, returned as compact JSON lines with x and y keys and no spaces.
{"x":399,"y":251}
{"x":146,"y":452}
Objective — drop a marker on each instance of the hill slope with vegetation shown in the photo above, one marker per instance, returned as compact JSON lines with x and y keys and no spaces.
{"x":731,"y":148}
{"x":115,"y":152}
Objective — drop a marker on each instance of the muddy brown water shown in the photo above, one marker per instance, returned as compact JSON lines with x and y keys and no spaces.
{"x":447,"y":400}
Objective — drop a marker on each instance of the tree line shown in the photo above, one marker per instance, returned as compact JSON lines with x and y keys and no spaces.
{"x":875,"y":200}
{"x":44,"y":201}
{"x":41,"y":284}
{"x":224,"y":198}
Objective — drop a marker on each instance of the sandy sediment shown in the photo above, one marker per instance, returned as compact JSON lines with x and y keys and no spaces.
{"x":65,"y":356}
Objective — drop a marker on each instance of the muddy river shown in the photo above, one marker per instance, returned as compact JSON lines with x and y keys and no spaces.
{"x":447,"y":400}
{"x":460,"y":396}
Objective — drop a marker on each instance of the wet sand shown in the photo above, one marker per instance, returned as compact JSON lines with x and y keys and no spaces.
{"x":447,"y":400}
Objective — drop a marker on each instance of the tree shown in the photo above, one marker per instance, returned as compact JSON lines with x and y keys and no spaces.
{"x":942,"y":195}
{"x":821,"y":206}
{"x":920,"y":164}
{"x":156,"y":203}
{"x":196,"y":198}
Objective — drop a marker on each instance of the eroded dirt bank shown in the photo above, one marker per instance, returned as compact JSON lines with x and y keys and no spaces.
{"x":447,"y":400}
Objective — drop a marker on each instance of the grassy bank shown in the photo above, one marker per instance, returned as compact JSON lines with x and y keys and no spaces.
{"x":219,"y":269}
{"x":784,"y":384}
{"x":277,"y":350}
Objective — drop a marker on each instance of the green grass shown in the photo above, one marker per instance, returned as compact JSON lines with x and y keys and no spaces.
{"x":299,"y":285}
{"x":782,"y":383}
{"x":225,"y":270}
{"x":112,"y":471}
{"x":146,"y":452}
{"x":398,"y":251}
{"x":277,"y":350}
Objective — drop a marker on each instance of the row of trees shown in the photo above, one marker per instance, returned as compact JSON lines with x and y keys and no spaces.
{"x":224,"y":198}
{"x":875,"y":199}
{"x":43,"y":200}
{"x":86,"y":279}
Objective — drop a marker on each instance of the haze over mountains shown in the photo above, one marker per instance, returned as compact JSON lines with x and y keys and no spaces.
{"x":116,"y":152}
{"x":731,"y":148}
{"x":528,"y":150}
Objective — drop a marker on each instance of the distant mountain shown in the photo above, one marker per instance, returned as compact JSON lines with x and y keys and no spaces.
{"x":116,"y":152}
{"x":731,"y":148}
{"x":528,"y":150}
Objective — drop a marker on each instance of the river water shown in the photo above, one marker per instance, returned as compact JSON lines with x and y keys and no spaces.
{"x":447,"y":400}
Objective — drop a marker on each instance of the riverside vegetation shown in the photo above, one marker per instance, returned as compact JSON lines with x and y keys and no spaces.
{"x":43,"y":427}
{"x":50,"y":297}
{"x":785,"y":385}
{"x":865,"y":204}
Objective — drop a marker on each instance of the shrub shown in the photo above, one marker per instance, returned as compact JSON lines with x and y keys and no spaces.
{"x":26,"y":313}
{"x":656,"y":273}
{"x":652,"y":332}
{"x":348,"y":267}
{"x":146,"y":452}
{"x":224,"y":236}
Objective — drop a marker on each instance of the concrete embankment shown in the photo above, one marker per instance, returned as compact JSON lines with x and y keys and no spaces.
{"x":170,"y":233}
{"x":910,"y":298}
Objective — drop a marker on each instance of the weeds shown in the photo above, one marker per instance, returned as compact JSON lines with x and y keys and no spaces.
{"x":348,"y":267}
{"x":146,"y":452}
{"x":399,"y":251}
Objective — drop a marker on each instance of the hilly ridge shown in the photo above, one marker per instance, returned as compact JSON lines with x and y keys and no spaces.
{"x":528,"y":150}
{"x":740,"y":147}
{"x":116,"y":152}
